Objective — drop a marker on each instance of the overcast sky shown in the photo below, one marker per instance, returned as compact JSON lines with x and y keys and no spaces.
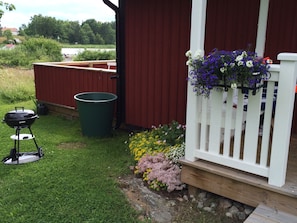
{"x":71,"y":10}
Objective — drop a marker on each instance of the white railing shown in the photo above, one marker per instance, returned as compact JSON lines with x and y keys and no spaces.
{"x":248,"y":133}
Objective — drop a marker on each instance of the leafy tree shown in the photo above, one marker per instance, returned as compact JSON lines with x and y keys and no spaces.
{"x":99,"y":39}
{"x":22,"y":30}
{"x":107,"y":33}
{"x":8,"y":34}
{"x":89,"y":32}
{"x":94,"y":25}
{"x":87,"y":35}
{"x":7,"y":6}
{"x":47,"y":27}
{"x":72,"y":31}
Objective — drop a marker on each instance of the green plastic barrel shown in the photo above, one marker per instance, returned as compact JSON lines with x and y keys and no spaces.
{"x":96,"y":112}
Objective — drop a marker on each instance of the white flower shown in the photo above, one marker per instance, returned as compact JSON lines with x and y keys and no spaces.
{"x":222,"y":69}
{"x":239,"y":58}
{"x":240,"y":63}
{"x":188,"y":63}
{"x":249,"y":63}
{"x":188,"y":53}
{"x":232,"y":65}
{"x":244,"y":54}
{"x":233,"y":85}
{"x":198,"y":54}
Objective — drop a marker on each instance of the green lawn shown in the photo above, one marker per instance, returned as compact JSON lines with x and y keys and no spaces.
{"x":76,"y":180}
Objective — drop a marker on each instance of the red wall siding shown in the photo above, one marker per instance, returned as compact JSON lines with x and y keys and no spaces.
{"x":156,"y":39}
{"x":281,"y":33}
{"x":59,"y":84}
{"x":231,"y":24}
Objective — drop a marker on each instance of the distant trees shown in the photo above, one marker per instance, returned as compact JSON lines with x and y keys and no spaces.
{"x":89,"y":32}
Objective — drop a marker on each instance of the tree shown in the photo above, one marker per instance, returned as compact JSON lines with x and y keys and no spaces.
{"x":8,"y":34}
{"x":43,"y":26}
{"x":7,"y":6}
{"x":87,"y":35}
{"x":94,"y":25}
{"x":89,"y":32}
{"x":107,"y":33}
{"x":72,"y":30}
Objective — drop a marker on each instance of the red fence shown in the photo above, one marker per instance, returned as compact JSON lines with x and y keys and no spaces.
{"x":58,"y":83}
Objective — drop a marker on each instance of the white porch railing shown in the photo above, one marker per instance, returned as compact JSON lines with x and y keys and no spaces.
{"x":233,"y":130}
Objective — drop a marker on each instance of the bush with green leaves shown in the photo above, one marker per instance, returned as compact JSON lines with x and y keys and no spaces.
{"x":31,"y":51}
{"x":95,"y":55}
{"x":43,"y":50}
{"x":157,"y":152}
{"x":158,"y":139}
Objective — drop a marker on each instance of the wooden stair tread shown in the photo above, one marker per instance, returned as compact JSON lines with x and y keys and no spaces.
{"x":264,"y":214}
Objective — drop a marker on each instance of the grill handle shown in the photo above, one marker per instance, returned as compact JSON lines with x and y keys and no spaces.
{"x":16,"y":108}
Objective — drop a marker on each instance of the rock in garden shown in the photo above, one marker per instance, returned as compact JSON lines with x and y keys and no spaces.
{"x":233,"y":210}
{"x":202,"y":195}
{"x":208,"y":209}
{"x":200,"y":204}
{"x":241,"y":215}
{"x":225,"y":203}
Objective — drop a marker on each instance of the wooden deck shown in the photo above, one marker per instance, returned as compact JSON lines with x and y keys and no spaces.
{"x":244,"y":187}
{"x":264,"y":214}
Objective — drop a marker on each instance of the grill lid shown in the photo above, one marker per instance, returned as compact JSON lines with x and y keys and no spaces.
{"x":20,"y":117}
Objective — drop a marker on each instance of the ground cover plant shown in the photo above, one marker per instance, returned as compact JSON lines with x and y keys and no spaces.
{"x":157,"y":152}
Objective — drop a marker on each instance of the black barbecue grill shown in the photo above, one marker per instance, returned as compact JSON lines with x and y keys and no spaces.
{"x":18,"y":119}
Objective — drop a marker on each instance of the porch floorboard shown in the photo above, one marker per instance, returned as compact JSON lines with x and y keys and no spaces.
{"x":264,"y":214}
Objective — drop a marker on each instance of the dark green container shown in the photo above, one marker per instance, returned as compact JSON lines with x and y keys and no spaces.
{"x":96,"y":112}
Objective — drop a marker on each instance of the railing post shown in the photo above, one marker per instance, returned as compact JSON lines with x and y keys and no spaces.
{"x":283,"y":119}
{"x":197,"y":42}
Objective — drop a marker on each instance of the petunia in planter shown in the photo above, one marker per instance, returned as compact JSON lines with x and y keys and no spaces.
{"x":227,"y":69}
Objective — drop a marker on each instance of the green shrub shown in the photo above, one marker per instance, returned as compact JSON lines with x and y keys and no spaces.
{"x":95,"y":55}
{"x":46,"y":50}
{"x":30,"y":51}
{"x":158,"y":139}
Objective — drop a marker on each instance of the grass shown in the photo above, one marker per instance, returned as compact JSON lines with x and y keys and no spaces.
{"x":76,"y":180}
{"x":16,"y":85}
{"x":88,"y":46}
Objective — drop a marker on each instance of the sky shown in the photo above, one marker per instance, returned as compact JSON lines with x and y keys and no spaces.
{"x":71,"y":10}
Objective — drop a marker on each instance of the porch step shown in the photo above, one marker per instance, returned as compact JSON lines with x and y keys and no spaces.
{"x":264,"y":214}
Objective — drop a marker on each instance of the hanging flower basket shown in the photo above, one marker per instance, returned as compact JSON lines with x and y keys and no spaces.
{"x":227,"y":69}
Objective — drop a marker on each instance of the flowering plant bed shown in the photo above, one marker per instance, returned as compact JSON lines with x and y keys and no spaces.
{"x":228,"y":69}
{"x":157,"y":152}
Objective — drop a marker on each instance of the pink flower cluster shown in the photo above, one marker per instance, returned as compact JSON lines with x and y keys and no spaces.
{"x":159,"y":168}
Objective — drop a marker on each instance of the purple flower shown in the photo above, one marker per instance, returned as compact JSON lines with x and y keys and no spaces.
{"x":228,"y":68}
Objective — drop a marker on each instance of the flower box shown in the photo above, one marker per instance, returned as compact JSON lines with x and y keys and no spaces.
{"x":257,"y":82}
{"x":227,"y":69}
